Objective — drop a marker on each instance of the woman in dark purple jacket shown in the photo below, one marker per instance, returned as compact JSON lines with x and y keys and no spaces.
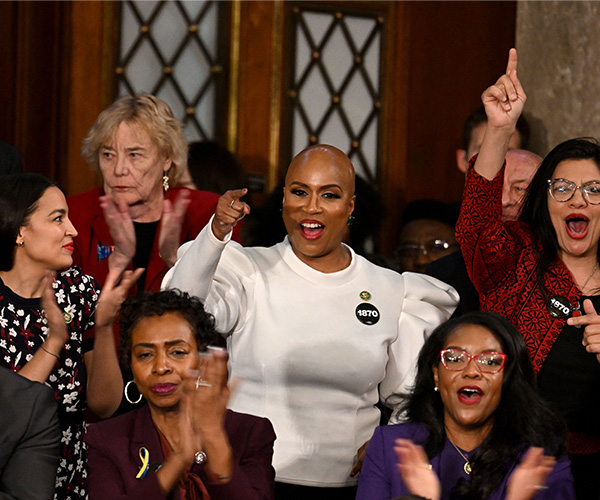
{"x":184,"y":444}
{"x":476,"y":427}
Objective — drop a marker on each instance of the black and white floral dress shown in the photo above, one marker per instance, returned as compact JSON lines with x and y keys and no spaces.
{"x":23,"y":329}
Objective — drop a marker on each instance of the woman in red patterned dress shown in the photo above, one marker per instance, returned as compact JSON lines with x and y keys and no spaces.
{"x":541,"y":272}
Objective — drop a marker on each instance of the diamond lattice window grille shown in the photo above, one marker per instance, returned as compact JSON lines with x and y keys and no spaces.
{"x":177,"y":50}
{"x":334,"y":87}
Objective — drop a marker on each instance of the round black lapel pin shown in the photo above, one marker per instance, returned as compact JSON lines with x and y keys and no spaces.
{"x":559,"y":307}
{"x":367,"y":314}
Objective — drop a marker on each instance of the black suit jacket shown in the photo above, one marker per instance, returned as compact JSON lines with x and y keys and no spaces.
{"x":29,"y":437}
{"x":114,"y":461}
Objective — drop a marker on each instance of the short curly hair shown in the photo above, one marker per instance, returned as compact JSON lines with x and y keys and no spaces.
{"x":151,"y":114}
{"x":147,"y":304}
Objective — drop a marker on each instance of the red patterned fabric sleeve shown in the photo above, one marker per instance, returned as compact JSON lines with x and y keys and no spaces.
{"x":489,"y":250}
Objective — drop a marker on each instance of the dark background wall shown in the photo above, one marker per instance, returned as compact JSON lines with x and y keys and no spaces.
{"x":56,"y":61}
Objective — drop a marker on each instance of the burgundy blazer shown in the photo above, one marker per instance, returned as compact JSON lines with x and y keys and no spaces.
{"x":113,"y":459}
{"x":87,"y":217}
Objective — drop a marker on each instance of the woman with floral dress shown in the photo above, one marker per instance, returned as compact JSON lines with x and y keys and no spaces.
{"x":54,"y":326}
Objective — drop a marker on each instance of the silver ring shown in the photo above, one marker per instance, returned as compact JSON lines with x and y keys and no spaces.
{"x":203,"y":383}
{"x":231,"y":204}
{"x":541,"y":487}
{"x":200,"y":457}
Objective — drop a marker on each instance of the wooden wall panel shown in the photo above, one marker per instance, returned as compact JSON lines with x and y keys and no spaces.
{"x":440,"y":57}
{"x":450,"y":52}
{"x":35,"y":102}
{"x":90,"y":84}
{"x":260,"y":29}
{"x":8,"y":65}
{"x":460,"y":48}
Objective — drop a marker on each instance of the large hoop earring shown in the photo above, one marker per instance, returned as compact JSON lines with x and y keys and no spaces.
{"x":127,"y":395}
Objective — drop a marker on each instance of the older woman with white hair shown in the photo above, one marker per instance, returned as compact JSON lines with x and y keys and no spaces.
{"x":139,"y":148}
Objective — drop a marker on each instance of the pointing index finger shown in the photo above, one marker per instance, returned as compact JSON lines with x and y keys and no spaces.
{"x":512,"y":61}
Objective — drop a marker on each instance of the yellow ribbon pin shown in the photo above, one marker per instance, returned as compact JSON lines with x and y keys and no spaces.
{"x":145,"y":458}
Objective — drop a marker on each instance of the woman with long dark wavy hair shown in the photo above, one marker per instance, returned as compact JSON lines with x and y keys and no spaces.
{"x":542,"y":271}
{"x":475,"y":428}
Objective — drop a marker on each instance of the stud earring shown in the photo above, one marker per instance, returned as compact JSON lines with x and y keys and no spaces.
{"x":350,"y":220}
{"x":436,"y":388}
{"x":21,"y":243}
{"x":165,"y":182}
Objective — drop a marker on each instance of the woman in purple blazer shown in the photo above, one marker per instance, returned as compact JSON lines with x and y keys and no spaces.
{"x":475,"y":426}
{"x":184,"y":444}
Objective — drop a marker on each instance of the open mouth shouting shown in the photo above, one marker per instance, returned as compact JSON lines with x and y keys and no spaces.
{"x":470,"y":395}
{"x":577,"y":226}
{"x":311,"y":229}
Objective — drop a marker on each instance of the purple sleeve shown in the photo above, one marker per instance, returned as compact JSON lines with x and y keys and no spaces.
{"x":253,"y":475}
{"x":375,"y":479}
{"x":559,"y":482}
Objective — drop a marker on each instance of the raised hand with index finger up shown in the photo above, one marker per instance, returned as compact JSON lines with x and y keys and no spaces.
{"x":505,"y":99}
{"x":503,"y":102}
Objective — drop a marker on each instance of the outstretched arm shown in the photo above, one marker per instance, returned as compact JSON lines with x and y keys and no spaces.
{"x":503,"y":103}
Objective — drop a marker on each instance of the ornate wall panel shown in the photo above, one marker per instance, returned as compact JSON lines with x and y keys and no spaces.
{"x":178,"y":50}
{"x":333,"y":82}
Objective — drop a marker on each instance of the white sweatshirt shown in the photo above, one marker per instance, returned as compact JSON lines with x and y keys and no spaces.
{"x":300,"y":341}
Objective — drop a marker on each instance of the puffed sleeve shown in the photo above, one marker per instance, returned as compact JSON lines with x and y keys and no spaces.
{"x":218,"y":272}
{"x":427,"y":303}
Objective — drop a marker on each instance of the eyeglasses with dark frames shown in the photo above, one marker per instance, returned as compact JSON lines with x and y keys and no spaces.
{"x":487,"y":362}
